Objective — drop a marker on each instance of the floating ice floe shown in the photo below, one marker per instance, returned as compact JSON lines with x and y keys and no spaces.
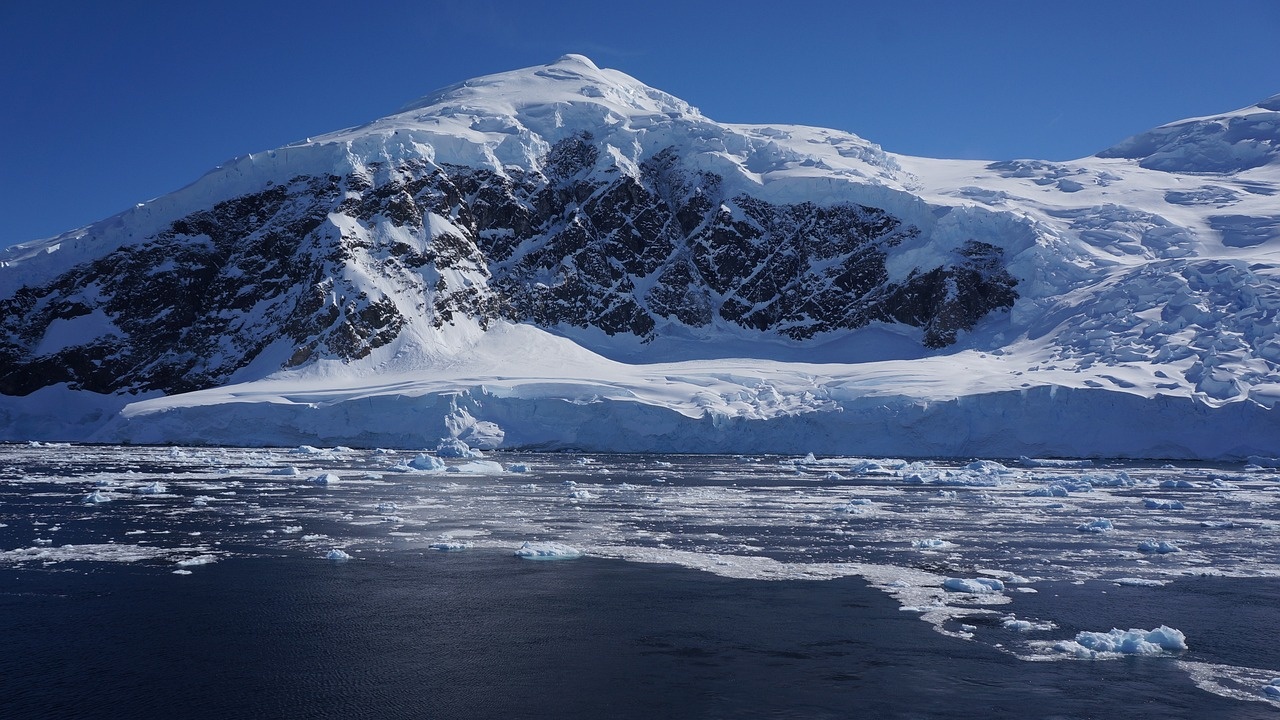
{"x":518,"y":468}
{"x":450,"y":546}
{"x":1048,"y":463}
{"x":388,"y":508}
{"x":547,"y":551}
{"x":1097,"y":525}
{"x":1049,"y":491}
{"x":95,"y":497}
{"x":974,"y":586}
{"x":1139,"y":582}
{"x":1272,"y":688}
{"x":287,"y":470}
{"x":1162,"y":547}
{"x":155,"y":488}
{"x":324,"y":479}
{"x":856,"y":506}
{"x":197,"y":560}
{"x":337,"y":555}
{"x":478,"y":467}
{"x":1096,"y":645}
{"x":1026,"y":626}
{"x":1151,"y":504}
{"x":1116,"y":479}
{"x":1177,"y":485}
{"x":931,"y":544}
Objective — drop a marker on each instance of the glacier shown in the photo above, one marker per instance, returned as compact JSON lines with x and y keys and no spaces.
{"x":561,"y":257}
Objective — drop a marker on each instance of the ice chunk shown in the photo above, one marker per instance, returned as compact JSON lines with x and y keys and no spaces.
{"x":987,"y":467}
{"x":1026,"y":626}
{"x":976,"y":586}
{"x":324,"y":479}
{"x":1272,"y":688}
{"x":155,"y":488}
{"x":287,"y":470}
{"x":337,"y":555}
{"x":1176,"y":485}
{"x":478,"y":467}
{"x":426,"y":462}
{"x":1093,"y":645}
{"x":455,"y":448}
{"x":1048,"y":463}
{"x":388,"y":508}
{"x":198,"y":560}
{"x":547,"y":551}
{"x":1097,"y":525}
{"x":1162,"y":547}
{"x":1048,"y":491}
{"x":518,"y":468}
{"x":931,"y":544}
{"x":96,"y":497}
{"x":1151,"y":504}
{"x":1139,"y":582}
{"x":450,"y":546}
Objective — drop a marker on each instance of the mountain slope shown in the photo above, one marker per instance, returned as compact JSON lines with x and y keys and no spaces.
{"x":375,"y":261}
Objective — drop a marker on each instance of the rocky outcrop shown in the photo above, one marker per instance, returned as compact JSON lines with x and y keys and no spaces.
{"x":336,"y":266}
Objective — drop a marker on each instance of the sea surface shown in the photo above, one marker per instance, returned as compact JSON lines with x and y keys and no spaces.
{"x":198,"y":584}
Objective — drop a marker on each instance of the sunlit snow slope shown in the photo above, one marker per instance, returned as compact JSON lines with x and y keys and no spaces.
{"x":562,"y":257}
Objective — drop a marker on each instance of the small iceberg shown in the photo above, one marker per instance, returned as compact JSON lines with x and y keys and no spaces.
{"x":426,"y":463}
{"x":95,"y":497}
{"x":324,"y":479}
{"x":547,"y":551}
{"x":337,"y":555}
{"x":478,"y":467}
{"x":1054,"y":490}
{"x":155,"y":488}
{"x":450,"y":546}
{"x":1162,"y":547}
{"x":287,"y":470}
{"x":1094,"y":645}
{"x":1151,"y":504}
{"x":974,"y":586}
{"x":455,"y":448}
{"x":1026,"y":626}
{"x":1098,"y":525}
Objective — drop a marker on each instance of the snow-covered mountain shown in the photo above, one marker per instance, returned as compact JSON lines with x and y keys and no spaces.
{"x":562,"y":256}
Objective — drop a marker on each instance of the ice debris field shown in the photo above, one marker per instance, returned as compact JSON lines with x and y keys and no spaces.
{"x":955,"y":544}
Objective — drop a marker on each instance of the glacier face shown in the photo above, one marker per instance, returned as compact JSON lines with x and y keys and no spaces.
{"x":561,"y":256}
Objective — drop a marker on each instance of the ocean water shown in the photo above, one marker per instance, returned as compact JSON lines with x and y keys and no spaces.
{"x":709,"y":587}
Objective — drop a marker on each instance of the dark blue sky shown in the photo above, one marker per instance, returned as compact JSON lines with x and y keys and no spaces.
{"x":106,"y":104}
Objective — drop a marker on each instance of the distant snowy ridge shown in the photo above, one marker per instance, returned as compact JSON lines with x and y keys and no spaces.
{"x":561,"y":256}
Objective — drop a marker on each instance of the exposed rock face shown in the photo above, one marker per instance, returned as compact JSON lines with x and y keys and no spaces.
{"x":336,"y":266}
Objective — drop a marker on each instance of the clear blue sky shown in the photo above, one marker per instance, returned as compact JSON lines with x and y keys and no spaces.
{"x":105,"y":104}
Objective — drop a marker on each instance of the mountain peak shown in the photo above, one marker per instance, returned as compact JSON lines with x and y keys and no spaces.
{"x":576,"y":59}
{"x":570,"y":79}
